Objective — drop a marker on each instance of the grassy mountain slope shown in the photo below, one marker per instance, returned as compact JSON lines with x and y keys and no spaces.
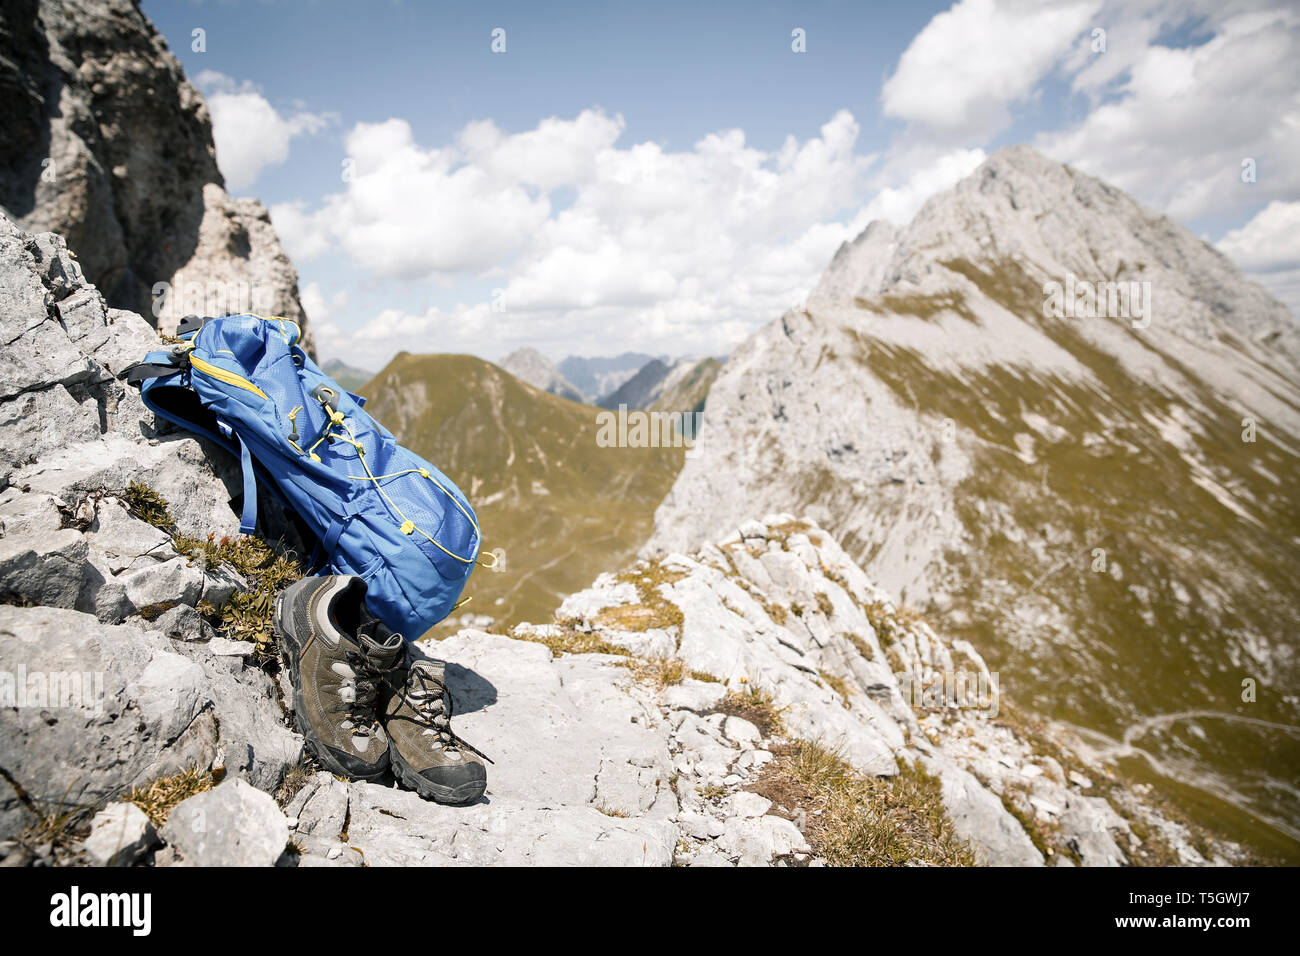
{"x":688,"y":393}
{"x":562,"y":508}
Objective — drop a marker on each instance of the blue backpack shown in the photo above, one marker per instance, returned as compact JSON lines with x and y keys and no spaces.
{"x":377,"y":509}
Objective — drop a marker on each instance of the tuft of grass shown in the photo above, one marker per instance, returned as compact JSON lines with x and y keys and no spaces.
{"x":787,"y":528}
{"x":863,"y":647}
{"x":824,"y":603}
{"x":149,"y":506}
{"x":159,"y":798}
{"x":839,"y":685}
{"x":885,"y":622}
{"x":755,"y":706}
{"x":661,"y":671}
{"x":853,"y":820}
{"x":652,"y":609}
{"x":570,"y":640}
{"x":295,"y":778}
{"x":777,"y":612}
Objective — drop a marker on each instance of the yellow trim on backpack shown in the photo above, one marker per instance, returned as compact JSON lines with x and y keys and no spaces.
{"x":221,"y":375}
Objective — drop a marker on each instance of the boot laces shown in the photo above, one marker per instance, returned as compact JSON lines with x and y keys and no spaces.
{"x":361,"y":692}
{"x":428,"y":698}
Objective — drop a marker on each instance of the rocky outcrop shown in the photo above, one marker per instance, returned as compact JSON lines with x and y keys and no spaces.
{"x":1059,"y":422}
{"x":110,"y":146}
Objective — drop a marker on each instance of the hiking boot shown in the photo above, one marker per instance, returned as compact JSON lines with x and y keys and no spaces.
{"x":338,"y":654}
{"x":426,"y":756}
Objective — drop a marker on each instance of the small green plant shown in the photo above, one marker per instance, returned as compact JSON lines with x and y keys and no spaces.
{"x":149,"y":506}
{"x":247,"y":616}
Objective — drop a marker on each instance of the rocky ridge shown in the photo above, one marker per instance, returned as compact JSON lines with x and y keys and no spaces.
{"x":655,"y":721}
{"x":109,"y":145}
{"x":1096,"y":500}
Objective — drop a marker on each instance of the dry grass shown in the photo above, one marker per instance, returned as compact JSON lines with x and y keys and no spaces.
{"x":660,"y":671}
{"x":839,"y":685}
{"x":863,"y":647}
{"x":295,"y":778}
{"x":159,"y":798}
{"x":652,"y":609}
{"x":755,"y":706}
{"x":852,"y":820}
{"x":570,"y":640}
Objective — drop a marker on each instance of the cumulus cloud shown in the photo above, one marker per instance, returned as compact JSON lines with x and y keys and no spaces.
{"x":694,"y":247}
{"x":1175,"y":124}
{"x":319,"y":306}
{"x":965,"y":69}
{"x":250,"y":134}
{"x":1268,"y":249}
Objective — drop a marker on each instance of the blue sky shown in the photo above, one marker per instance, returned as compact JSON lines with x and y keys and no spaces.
{"x":669,"y":177}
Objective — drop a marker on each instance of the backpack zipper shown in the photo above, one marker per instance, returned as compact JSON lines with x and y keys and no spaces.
{"x":221,"y":375}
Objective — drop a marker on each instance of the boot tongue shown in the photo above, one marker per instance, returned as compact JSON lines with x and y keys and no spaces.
{"x":381,"y":645}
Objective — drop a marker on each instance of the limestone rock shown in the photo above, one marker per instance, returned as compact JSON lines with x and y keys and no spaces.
{"x":112,"y":148}
{"x":119,"y":835}
{"x":234,"y":824}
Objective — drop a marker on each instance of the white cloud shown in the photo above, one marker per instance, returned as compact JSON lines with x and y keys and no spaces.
{"x":1270,"y":241}
{"x":965,"y":69}
{"x":1268,"y":249}
{"x":925,"y":173}
{"x":299,"y":231}
{"x":320,"y":307}
{"x":249,"y":133}
{"x":1174,"y":125}
{"x":677,"y":250}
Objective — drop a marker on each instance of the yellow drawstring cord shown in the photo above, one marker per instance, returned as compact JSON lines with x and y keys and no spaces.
{"x":408,"y":526}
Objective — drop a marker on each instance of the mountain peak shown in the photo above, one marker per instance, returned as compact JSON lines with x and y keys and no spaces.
{"x":531,"y":366}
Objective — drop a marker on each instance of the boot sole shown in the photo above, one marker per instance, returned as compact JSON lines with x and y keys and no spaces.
{"x":426,"y":788}
{"x":289,"y":658}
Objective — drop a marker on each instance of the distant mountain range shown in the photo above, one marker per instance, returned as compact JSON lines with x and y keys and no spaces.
{"x":597,"y":377}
